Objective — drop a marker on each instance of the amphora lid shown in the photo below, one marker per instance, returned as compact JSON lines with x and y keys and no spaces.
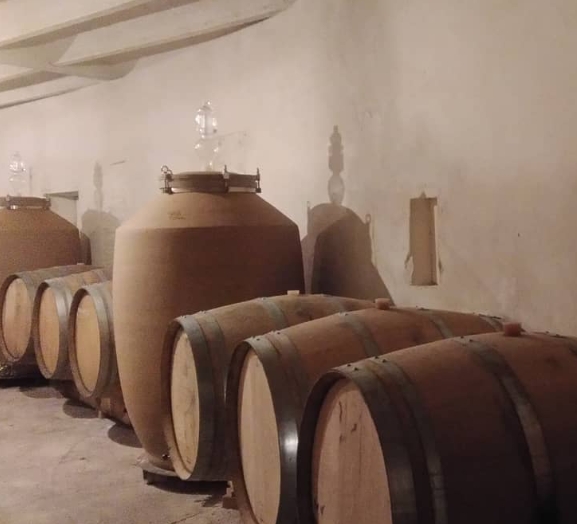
{"x":19,"y":202}
{"x":209,"y":182}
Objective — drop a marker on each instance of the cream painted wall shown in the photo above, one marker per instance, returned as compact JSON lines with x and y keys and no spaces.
{"x":470,"y":102}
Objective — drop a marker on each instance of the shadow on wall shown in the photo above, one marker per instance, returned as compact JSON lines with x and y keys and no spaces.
{"x":100,"y":226}
{"x":85,"y":250}
{"x":338,"y":250}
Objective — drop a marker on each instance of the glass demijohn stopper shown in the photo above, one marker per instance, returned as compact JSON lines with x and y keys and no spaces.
{"x":207,"y":147}
{"x":18,"y":175}
{"x":206,"y":122}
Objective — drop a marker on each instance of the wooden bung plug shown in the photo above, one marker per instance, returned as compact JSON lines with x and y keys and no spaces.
{"x":383,"y":304}
{"x":512,"y":329}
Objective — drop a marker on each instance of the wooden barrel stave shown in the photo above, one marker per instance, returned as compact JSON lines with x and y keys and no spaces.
{"x":214,"y":335}
{"x":291,"y":372}
{"x":50,"y":320}
{"x":500,"y":412}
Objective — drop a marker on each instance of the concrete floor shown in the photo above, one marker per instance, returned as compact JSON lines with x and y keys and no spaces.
{"x":60,"y":464}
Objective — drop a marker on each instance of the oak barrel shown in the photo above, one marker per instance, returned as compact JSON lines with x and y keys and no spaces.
{"x":50,"y":322}
{"x":91,"y":340}
{"x":477,"y":429}
{"x":17,"y":295}
{"x":196,"y":355}
{"x":270,"y":377}
{"x":209,"y":240}
{"x":91,"y":349}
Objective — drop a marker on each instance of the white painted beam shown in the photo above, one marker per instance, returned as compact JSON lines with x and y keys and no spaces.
{"x":44,"y":57}
{"x":43,"y":90}
{"x":172,"y":26}
{"x":36,"y":60}
{"x":9,"y":71}
{"x":31,"y":72}
{"x":22,"y":20}
{"x":12,"y":77}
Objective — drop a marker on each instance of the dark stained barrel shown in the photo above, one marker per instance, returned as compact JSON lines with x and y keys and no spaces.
{"x":475,"y":429}
{"x":270,"y":378}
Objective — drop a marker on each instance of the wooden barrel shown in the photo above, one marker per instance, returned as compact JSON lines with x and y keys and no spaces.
{"x":17,"y":301}
{"x":196,"y":355}
{"x":208,"y":241}
{"x":91,"y":349}
{"x":270,"y":377}
{"x":477,"y":429}
{"x":91,"y":340}
{"x":50,"y":320}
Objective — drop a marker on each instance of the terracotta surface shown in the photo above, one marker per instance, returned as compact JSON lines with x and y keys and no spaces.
{"x":36,"y":238}
{"x":181,"y":254}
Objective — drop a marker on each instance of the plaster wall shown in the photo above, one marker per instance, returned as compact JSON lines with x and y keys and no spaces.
{"x":471,"y":102}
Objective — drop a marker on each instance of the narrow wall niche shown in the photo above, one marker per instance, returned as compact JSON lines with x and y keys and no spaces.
{"x":423,"y":240}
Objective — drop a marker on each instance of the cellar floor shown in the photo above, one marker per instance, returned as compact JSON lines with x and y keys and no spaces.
{"x":60,"y":464}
